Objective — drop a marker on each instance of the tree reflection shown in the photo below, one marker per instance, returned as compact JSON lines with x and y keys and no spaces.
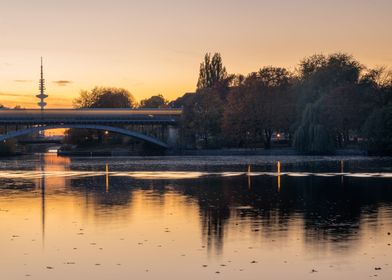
{"x":328,"y":210}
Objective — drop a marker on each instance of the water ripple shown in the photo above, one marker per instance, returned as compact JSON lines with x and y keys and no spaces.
{"x":176,"y":175}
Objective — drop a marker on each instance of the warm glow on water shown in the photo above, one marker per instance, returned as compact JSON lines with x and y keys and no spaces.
{"x":216,"y":223}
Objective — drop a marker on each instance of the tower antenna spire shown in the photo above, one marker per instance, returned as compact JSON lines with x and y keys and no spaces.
{"x":42,"y":94}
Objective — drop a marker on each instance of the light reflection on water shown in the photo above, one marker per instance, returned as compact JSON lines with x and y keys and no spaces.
{"x":178,"y":175}
{"x":79,"y":219}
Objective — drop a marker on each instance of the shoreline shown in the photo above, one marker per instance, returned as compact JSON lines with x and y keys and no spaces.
{"x":212,"y":152}
{"x":201,"y":152}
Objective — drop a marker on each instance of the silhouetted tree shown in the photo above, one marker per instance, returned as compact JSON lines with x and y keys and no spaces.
{"x":98,"y":97}
{"x":319,"y":74}
{"x":344,"y":110}
{"x":202,"y":116}
{"x":203,"y":110}
{"x":378,"y":83}
{"x":262,"y":104}
{"x":236,"y":125}
{"x":182,"y":100}
{"x":105,"y":97}
{"x":211,"y":72}
{"x":156,"y":101}
{"x":378,"y":131}
{"x":333,"y":83}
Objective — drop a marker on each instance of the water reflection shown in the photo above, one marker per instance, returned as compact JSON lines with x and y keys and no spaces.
{"x":278,"y":176}
{"x":41,"y":185}
{"x":231,"y":212}
{"x":107,"y":177}
{"x":330,"y":209}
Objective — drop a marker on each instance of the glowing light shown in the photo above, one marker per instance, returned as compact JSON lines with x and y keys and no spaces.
{"x":342,"y":171}
{"x":249,"y":179}
{"x":107,"y":177}
{"x":278,"y":176}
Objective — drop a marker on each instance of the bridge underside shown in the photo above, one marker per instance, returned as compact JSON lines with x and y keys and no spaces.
{"x":123,"y":131}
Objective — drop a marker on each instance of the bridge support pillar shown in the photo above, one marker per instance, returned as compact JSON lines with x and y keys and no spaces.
{"x":172,"y":136}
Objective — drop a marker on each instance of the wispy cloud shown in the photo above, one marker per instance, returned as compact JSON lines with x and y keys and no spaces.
{"x":15,"y":94}
{"x":59,"y":103}
{"x":65,"y":100}
{"x":62,"y":83}
{"x":5,"y":64}
{"x":185,"y":52}
{"x":22,"y":81}
{"x":137,"y":84}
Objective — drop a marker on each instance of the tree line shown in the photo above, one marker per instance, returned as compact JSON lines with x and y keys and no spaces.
{"x":328,"y":102}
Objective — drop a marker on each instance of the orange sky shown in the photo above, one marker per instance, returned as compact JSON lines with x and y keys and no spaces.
{"x":155,"y":47}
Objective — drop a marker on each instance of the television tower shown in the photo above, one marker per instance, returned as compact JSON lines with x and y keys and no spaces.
{"x":42,"y":94}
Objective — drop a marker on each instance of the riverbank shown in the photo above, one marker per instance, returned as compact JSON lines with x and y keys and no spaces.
{"x":256,"y":163}
{"x":261,"y":152}
{"x":118,"y":151}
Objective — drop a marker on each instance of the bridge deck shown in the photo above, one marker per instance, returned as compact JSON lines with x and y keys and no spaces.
{"x":48,"y":116}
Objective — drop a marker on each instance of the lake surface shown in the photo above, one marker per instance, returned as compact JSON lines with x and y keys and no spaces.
{"x":261,"y":217}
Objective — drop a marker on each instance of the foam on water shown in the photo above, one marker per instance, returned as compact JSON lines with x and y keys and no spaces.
{"x":174,"y":175}
{"x":160,"y":175}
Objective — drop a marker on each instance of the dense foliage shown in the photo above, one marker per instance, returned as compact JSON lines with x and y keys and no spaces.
{"x":211,"y":72}
{"x":155,"y":101}
{"x":98,"y":97}
{"x":378,"y":131}
{"x":105,"y":97}
{"x":329,"y":102}
{"x":312,"y":136}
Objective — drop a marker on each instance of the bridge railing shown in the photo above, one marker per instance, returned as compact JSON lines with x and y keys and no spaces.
{"x":90,"y":114}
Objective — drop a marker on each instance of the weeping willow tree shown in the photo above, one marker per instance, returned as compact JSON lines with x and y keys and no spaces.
{"x":312,"y":137}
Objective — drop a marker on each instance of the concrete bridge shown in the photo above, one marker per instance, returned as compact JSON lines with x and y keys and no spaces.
{"x":156,"y":126}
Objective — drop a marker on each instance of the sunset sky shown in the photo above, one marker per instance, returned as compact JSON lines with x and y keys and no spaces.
{"x":155,"y":47}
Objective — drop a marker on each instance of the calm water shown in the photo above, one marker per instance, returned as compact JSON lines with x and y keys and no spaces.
{"x":195,"y":218}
